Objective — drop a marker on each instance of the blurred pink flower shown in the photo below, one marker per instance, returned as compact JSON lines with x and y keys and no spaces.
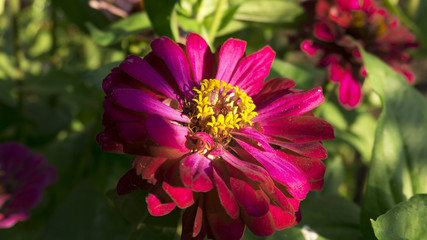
{"x":213,"y":138}
{"x":23,"y":178}
{"x":326,"y":32}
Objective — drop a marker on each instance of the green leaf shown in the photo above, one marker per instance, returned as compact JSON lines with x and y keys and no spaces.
{"x":398,"y":165}
{"x":95,"y":77}
{"x":407,"y":220}
{"x":163,"y":17}
{"x":268,"y":11}
{"x":119,"y":30}
{"x":80,"y":13}
{"x":86,"y":214}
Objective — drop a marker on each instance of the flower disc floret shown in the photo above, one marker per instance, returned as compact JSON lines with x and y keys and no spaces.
{"x":219,"y":108}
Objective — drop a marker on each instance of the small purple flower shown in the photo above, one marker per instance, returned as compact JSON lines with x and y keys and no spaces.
{"x":327,"y":32}
{"x":23,"y":177}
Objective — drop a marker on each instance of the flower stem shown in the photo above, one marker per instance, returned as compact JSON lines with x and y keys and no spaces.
{"x":216,"y":21}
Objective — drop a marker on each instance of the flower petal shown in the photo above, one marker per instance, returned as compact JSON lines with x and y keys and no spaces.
{"x":220,"y":174}
{"x":142,"y":71}
{"x":247,"y":134}
{"x":174,"y":57}
{"x":159,"y":203}
{"x":141,"y":102}
{"x":192,"y":222}
{"x":200,"y":57}
{"x":146,"y":167}
{"x":299,"y":129}
{"x":313,"y":168}
{"x":196,"y":172}
{"x":282,"y":219}
{"x":310,"y":149}
{"x":290,"y":105}
{"x":164,"y":133}
{"x":254,"y":201}
{"x":182,"y":196}
{"x":252,"y":70}
{"x":281,"y":170}
{"x":230,"y":54}
{"x":349,"y":91}
{"x":221,"y":225}
{"x":261,"y":226}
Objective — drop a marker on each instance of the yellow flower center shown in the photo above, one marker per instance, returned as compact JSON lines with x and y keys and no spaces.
{"x":358,"y":19}
{"x":218,"y":108}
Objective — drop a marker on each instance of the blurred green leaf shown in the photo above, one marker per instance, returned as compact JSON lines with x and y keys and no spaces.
{"x":407,"y":220}
{"x":80,"y":13}
{"x":355,"y":127}
{"x":119,"y":30}
{"x":95,"y":77}
{"x":163,"y":17}
{"x":268,"y":11}
{"x":86,"y":214}
{"x":304,"y":76}
{"x":398,"y":166}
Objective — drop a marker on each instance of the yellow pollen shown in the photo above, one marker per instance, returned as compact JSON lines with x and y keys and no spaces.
{"x":219,"y":108}
{"x":358,"y":19}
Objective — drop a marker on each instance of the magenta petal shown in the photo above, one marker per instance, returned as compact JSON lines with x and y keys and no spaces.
{"x":226,"y":196}
{"x":310,"y":149}
{"x":307,"y":47}
{"x":158,"y":203}
{"x":299,"y":129}
{"x":142,"y":71}
{"x":282,"y":219}
{"x":290,"y":105}
{"x":192,"y":222}
{"x":183,"y":197}
{"x":196,"y":172}
{"x":250,"y":170}
{"x":164,"y":133}
{"x":109,"y":143}
{"x":146,"y":166}
{"x":12,"y":219}
{"x":324,"y":32}
{"x":253,"y":201}
{"x":281,"y":170}
{"x":132,"y":131}
{"x":261,"y":226}
{"x":253,"y":135}
{"x":174,"y":57}
{"x":349,"y":91}
{"x":200,"y":57}
{"x":252,"y":70}
{"x":221,"y":225}
{"x":313,"y":168}
{"x":141,"y":102}
{"x":230,"y":54}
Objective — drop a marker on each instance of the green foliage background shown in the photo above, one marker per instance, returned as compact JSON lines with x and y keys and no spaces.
{"x":55,"y":54}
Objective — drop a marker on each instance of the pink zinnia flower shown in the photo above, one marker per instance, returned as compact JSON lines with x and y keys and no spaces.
{"x":380,"y":33}
{"x":212,"y":138}
{"x":23,"y":178}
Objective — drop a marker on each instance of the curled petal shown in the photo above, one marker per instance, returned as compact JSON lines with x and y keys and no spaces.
{"x":225,"y":194}
{"x":159,"y":203}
